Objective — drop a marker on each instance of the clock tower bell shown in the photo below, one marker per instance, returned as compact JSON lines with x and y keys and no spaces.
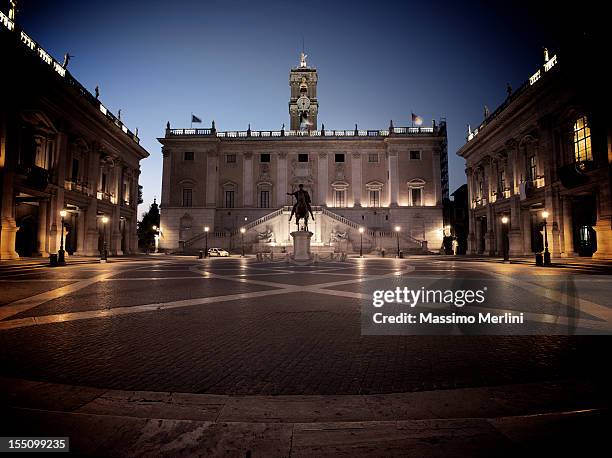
{"x":303,"y":104}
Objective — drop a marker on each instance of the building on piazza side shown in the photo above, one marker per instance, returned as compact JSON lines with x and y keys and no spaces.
{"x":378,"y":181}
{"x":546,"y":151}
{"x":61,"y":152}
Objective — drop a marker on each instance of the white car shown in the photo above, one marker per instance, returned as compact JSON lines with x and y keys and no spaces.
{"x":217,"y":252}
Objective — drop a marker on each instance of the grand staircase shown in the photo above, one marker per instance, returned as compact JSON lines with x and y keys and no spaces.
{"x":277,"y":220}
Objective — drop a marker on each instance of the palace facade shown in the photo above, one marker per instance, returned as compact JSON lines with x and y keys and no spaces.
{"x":377,"y":180}
{"x":61,"y":150}
{"x":546,"y":151}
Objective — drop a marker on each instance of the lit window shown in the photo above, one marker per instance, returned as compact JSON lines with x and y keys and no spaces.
{"x":189,"y":155}
{"x":375,"y":198}
{"x":230,"y":158}
{"x":229,"y":199}
{"x":340,"y":197}
{"x":532,"y":168}
{"x":502,"y":180}
{"x":582,"y":140}
{"x":416,"y":196}
{"x":373,"y":157}
{"x":187,"y":197}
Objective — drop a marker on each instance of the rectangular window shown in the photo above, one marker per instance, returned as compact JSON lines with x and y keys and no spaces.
{"x":373,"y":157}
{"x":415,"y":155}
{"x":264,"y":157}
{"x":582,"y":140}
{"x":103,"y":182}
{"x":187,"y":197}
{"x":230,"y":158}
{"x":532,"y":168}
{"x":229,"y":199}
{"x":302,"y":157}
{"x":264,"y":199}
{"x":340,"y":198}
{"x":502,"y":181}
{"x":375,"y":198}
{"x":339,"y":157}
{"x":75,"y":170}
{"x":188,"y":155}
{"x":416,"y":196}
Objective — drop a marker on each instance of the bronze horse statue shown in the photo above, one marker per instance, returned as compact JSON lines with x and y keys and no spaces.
{"x":302,"y":208}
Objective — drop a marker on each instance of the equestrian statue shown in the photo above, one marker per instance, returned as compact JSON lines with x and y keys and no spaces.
{"x":302,"y":207}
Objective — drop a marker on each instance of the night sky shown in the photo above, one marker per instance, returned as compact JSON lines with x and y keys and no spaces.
{"x":229,"y":61}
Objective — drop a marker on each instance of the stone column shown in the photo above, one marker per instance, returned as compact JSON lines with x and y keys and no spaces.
{"x":281,"y":179}
{"x":393,"y":180}
{"x":9,"y":226}
{"x":81,"y":232}
{"x":115,"y":232}
{"x":568,"y":232}
{"x":212,"y":162}
{"x":133,"y":221}
{"x":247,"y":180}
{"x":90,"y":219}
{"x":515,"y":236}
{"x":323,"y":179}
{"x":490,"y":235}
{"x":57,"y":198}
{"x":437,"y":183}
{"x":356,"y":178}
{"x":166,"y":176}
{"x":42,"y":228}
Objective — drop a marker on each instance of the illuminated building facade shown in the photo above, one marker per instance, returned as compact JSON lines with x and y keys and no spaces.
{"x":371,"y":179}
{"x":61,"y":150}
{"x":545,"y":151}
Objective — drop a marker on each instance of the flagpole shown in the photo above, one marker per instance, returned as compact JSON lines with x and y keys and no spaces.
{"x":191,"y":123}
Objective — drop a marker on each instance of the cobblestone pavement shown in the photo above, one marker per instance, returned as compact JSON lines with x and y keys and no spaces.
{"x":236,"y":326}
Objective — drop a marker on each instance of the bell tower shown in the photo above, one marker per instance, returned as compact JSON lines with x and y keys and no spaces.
{"x":303,"y":104}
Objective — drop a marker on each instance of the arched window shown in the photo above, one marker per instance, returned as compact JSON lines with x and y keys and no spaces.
{"x":582,"y":140}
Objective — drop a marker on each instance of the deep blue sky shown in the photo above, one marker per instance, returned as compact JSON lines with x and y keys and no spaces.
{"x":229,"y":61}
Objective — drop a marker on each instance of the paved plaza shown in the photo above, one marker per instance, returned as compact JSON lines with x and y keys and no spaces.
{"x":239,"y":327}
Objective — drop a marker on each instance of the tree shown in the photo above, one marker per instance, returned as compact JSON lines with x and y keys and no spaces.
{"x":146,"y":233}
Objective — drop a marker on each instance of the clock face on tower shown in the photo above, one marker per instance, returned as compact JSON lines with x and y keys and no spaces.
{"x":303,"y":103}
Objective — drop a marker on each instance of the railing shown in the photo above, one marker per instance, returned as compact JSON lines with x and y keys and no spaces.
{"x":60,"y":70}
{"x":109,"y":196}
{"x":533,"y":79}
{"x":264,"y":218}
{"x":76,"y":186}
{"x":267,"y":134}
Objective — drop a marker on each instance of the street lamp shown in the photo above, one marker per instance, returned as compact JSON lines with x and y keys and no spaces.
{"x":61,"y":254}
{"x":504,"y":221}
{"x":361,"y":229}
{"x":397,"y":231}
{"x":155,"y":237}
{"x":546,"y":252}
{"x":104,"y":255}
{"x":206,"y":229}
{"x":242,"y":231}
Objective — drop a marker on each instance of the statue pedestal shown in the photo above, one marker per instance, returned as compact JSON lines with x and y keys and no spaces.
{"x":301,"y":245}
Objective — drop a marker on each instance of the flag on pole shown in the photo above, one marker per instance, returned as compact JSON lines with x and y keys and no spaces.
{"x":416,"y":120}
{"x":194,"y":118}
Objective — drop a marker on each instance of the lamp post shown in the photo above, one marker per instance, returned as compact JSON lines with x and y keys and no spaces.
{"x":206,"y":229}
{"x":104,"y":255}
{"x":242,"y":231}
{"x":61,"y":254}
{"x":546,"y":252}
{"x":397,"y":231}
{"x":155,"y":238}
{"x":361,"y":229}
{"x":504,"y":221}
